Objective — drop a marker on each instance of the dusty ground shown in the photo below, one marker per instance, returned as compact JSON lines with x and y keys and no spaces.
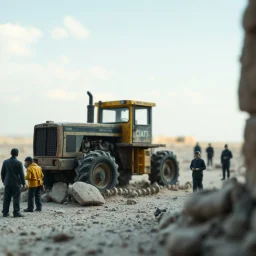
{"x":112,"y":229}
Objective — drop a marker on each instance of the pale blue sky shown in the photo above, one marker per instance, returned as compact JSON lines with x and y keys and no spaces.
{"x":183,"y":55}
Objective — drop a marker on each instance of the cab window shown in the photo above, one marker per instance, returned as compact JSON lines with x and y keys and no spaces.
{"x":142,"y":116}
{"x":115,"y":115}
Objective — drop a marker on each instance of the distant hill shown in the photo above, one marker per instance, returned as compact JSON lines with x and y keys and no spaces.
{"x":4,"y":140}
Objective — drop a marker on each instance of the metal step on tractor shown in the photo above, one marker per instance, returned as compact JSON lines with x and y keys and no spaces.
{"x":107,"y":153}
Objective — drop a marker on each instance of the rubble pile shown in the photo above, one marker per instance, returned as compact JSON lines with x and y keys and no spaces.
{"x":212,"y":222}
{"x":86,"y":194}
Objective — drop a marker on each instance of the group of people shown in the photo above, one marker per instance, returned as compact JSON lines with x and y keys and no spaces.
{"x":197,"y":165}
{"x":13,"y":177}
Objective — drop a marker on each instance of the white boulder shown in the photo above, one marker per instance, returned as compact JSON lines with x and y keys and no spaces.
{"x":86,"y":194}
{"x":59,"y":192}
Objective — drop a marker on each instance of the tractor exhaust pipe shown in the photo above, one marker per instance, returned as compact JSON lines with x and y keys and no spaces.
{"x":90,"y":109}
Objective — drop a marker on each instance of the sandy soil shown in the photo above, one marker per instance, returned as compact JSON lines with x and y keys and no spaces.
{"x":112,"y":229}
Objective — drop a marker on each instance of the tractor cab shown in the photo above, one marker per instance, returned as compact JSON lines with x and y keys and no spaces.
{"x":134,"y":117}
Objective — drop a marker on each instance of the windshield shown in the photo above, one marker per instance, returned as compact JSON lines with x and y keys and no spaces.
{"x":115,"y":115}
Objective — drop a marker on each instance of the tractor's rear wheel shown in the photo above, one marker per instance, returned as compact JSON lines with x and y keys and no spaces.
{"x":164,"y":168}
{"x":99,"y":169}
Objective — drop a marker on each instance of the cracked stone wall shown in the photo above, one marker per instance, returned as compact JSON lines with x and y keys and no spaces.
{"x":247,"y":90}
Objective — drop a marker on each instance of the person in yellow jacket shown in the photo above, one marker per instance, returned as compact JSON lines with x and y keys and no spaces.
{"x":34,"y":176}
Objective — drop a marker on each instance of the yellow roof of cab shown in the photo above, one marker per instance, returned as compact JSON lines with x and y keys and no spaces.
{"x":120,"y":103}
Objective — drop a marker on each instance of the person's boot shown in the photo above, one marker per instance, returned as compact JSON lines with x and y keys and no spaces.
{"x":38,"y":209}
{"x":28,"y":210}
{"x":17,"y":215}
{"x":5,"y":215}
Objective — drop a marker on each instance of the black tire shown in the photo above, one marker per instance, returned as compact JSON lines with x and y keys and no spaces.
{"x":99,"y":169}
{"x":164,"y":168}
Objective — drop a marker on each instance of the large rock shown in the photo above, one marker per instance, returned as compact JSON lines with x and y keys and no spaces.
{"x":253,"y":220}
{"x":164,"y":234}
{"x":249,"y":150}
{"x":187,"y":241}
{"x":249,"y":244}
{"x":222,"y":246}
{"x":59,"y":192}
{"x":86,"y":194}
{"x":236,"y":226}
{"x":206,"y":205}
{"x":247,"y":87}
{"x":249,"y":20}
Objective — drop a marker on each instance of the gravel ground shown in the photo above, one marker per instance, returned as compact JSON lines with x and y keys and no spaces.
{"x":112,"y":229}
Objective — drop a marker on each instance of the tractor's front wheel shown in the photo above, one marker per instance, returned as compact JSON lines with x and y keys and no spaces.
{"x":164,"y":168}
{"x":99,"y":169}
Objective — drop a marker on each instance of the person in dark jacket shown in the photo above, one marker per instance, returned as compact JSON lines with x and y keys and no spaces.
{"x":197,"y":167}
{"x":197,"y":148}
{"x":225,"y":161}
{"x":13,"y":177}
{"x":210,"y":154}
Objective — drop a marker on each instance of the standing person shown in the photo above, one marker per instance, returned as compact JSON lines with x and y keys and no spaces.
{"x":225,"y":161}
{"x":210,"y":153}
{"x":34,"y":177}
{"x":12,"y":175}
{"x":197,"y":167}
{"x":197,"y":148}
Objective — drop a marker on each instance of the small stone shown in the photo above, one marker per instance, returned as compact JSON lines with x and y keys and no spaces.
{"x":92,"y":252}
{"x":61,"y":238}
{"x":60,"y":211}
{"x":131,"y":202}
{"x":72,"y":251}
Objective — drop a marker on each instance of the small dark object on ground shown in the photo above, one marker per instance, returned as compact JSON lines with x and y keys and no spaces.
{"x":61,"y":238}
{"x":159,"y":211}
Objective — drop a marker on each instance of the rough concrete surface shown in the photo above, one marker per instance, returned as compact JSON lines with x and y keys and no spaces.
{"x":115,"y":228}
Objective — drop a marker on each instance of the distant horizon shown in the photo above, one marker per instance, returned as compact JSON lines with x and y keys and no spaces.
{"x":27,"y":136}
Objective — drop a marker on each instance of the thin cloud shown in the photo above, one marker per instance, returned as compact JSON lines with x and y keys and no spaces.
{"x":59,"y":33}
{"x":63,"y":60}
{"x":17,"y":40}
{"x":61,"y":95}
{"x":75,"y":27}
{"x":99,"y":72}
{"x":104,"y":96}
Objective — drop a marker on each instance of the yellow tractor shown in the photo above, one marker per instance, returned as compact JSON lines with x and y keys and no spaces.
{"x":107,"y":153}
